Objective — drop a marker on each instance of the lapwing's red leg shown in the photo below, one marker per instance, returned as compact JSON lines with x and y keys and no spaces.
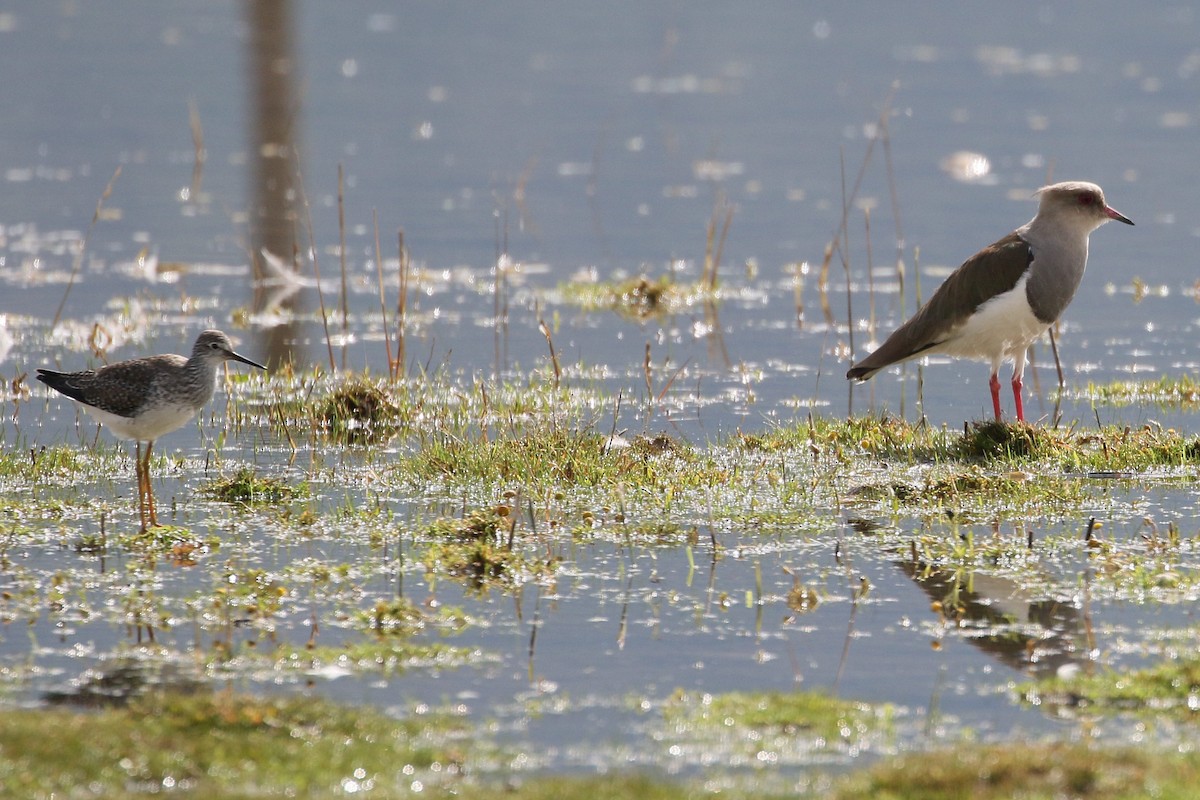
{"x":1016,"y":384}
{"x":994,"y":385}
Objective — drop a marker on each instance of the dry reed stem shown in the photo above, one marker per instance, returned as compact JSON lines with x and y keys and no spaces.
{"x":845,"y":257}
{"x":714,"y":245}
{"x":312,"y":249}
{"x":1057,"y":363}
{"x":870,"y":276}
{"x":647,"y":373}
{"x":920,"y":368}
{"x":387,"y":337}
{"x":885,"y":126}
{"x":798,"y":295}
{"x":862,"y":170}
{"x":720,"y":250}
{"x":200,"y":153}
{"x":823,"y":285}
{"x":401,"y":306}
{"x":710,"y":235}
{"x":671,"y":380}
{"x":545,"y":329}
{"x":499,"y":293}
{"x":78,"y":265}
{"x":341,"y":205}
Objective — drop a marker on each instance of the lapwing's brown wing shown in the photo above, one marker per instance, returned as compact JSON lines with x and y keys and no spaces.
{"x":992,"y":271}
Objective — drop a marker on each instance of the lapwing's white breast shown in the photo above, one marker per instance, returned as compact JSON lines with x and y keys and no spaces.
{"x":998,"y":329}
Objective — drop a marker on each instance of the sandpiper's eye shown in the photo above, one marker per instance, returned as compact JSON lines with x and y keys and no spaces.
{"x":1086,"y":199}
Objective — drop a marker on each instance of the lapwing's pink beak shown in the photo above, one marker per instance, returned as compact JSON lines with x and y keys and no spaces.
{"x":1117,"y":215}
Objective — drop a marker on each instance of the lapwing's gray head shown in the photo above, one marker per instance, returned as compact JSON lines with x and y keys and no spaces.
{"x":1077,"y":204}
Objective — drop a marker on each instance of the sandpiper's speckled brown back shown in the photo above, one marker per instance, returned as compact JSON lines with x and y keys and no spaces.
{"x":124,"y":388}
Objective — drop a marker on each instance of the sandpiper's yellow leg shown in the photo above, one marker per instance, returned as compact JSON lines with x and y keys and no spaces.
{"x":149,"y":486}
{"x":141,"y":486}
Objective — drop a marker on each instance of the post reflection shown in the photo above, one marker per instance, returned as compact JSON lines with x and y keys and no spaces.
{"x":274,"y":118}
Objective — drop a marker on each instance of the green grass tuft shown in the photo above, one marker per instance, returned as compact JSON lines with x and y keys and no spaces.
{"x":245,"y":487}
{"x":811,"y":714}
{"x":215,"y":746}
{"x":1171,"y":687}
{"x":1044,"y":770}
{"x":640,"y":297}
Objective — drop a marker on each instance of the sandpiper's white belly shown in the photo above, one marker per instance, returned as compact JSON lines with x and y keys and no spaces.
{"x":1000,"y":328}
{"x":148,"y":425}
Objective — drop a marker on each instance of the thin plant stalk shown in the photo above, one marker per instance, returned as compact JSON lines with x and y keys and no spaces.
{"x":714,"y":245}
{"x":401,"y":307}
{"x":845,"y":257}
{"x":862,"y":170}
{"x":387,"y":338}
{"x":341,"y":203}
{"x":545,"y":329}
{"x":920,"y":369}
{"x":1062,"y":381}
{"x":870,"y":277}
{"x":648,"y":374}
{"x":78,"y":264}
{"x":870,"y":289}
{"x":500,"y":293}
{"x":200,"y":153}
{"x":798,"y":293}
{"x":312,"y":249}
{"x":891,"y":179}
{"x":823,"y":285}
{"x":721,"y":247}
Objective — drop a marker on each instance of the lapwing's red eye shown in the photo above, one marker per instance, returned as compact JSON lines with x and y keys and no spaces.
{"x":1086,"y":199}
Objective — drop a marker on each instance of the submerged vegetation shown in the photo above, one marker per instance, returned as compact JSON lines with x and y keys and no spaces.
{"x":819,"y":720}
{"x":222,"y":745}
{"x":1042,"y":770}
{"x":479,"y":550}
{"x":638,"y":297}
{"x":1167,"y":690}
{"x":1181,"y":391}
{"x":225,"y":745}
{"x":642,"y":296}
{"x":245,"y":487}
{"x":501,"y":484}
{"x":359,"y":412}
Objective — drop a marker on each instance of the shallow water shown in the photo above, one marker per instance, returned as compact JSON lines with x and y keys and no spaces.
{"x":597,"y":141}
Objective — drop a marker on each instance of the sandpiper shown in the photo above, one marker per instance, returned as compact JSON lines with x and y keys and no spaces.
{"x":1005,"y":296}
{"x":144,"y":398}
